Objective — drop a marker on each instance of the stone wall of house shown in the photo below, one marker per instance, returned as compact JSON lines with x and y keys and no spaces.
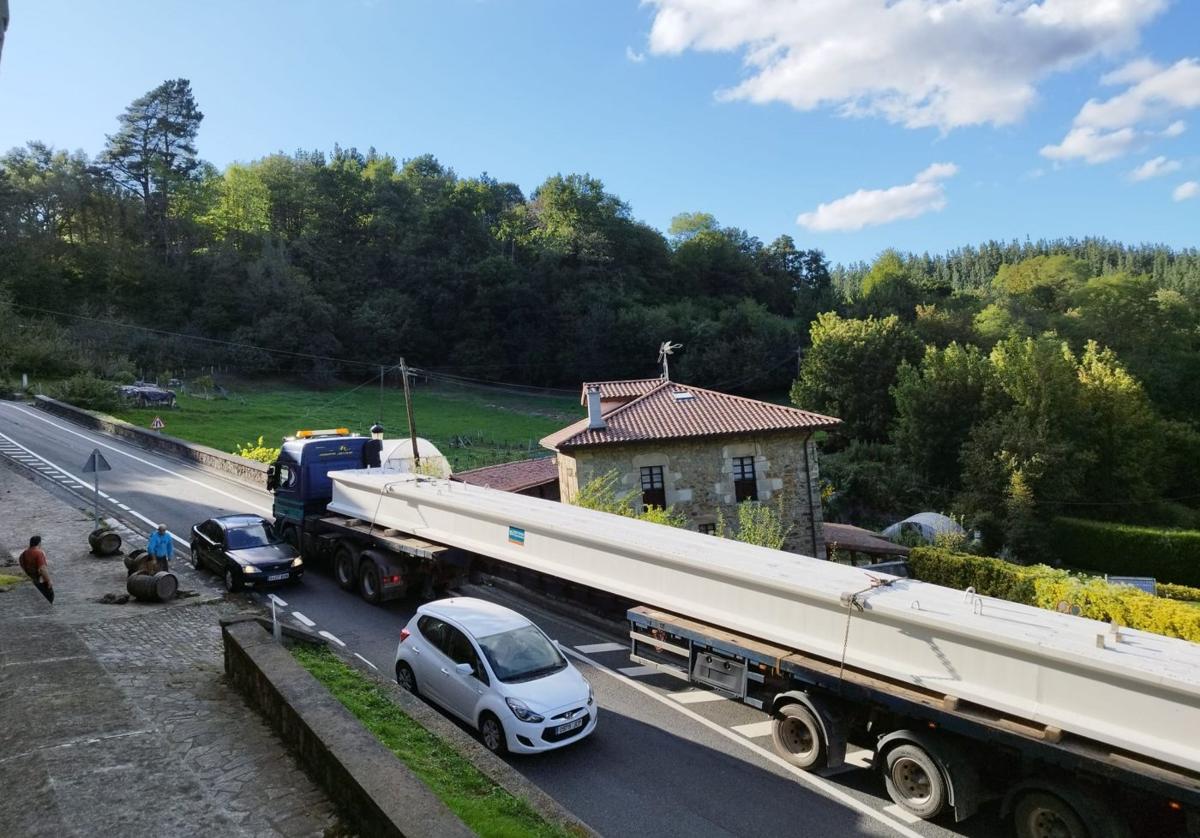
{"x":698,"y":478}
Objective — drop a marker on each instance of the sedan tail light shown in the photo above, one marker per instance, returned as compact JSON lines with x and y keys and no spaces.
{"x":404,"y":634}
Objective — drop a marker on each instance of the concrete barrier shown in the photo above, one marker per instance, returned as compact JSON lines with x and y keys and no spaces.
{"x":371,"y":786}
{"x":247,"y":471}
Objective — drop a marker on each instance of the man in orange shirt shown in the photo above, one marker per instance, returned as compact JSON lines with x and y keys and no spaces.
{"x":33,"y":562}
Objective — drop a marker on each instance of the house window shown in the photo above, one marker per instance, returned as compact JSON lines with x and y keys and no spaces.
{"x":745,"y":484}
{"x":707,"y":529}
{"x":653,"y":491}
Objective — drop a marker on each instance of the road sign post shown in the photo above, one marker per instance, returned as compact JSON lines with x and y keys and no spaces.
{"x":94,"y":465}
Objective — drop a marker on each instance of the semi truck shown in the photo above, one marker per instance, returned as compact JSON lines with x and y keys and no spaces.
{"x":1071,"y":727}
{"x":379,"y":563}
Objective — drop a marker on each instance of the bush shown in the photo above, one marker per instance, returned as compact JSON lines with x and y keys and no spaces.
{"x":1128,"y":550}
{"x":257,"y":451}
{"x":1046,"y":587}
{"x":87,"y":391}
{"x":1180,"y":592}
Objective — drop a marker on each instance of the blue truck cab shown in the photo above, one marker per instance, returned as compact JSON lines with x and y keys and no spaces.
{"x":300,"y":480}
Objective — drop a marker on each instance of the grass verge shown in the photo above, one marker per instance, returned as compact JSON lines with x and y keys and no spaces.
{"x":7,"y":581}
{"x":485,"y":807}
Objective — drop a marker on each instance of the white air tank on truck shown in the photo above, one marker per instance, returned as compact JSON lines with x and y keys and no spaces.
{"x":377,"y":562}
{"x":1065,"y":726}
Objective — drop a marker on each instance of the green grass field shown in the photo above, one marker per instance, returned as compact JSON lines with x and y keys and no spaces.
{"x":472,"y":427}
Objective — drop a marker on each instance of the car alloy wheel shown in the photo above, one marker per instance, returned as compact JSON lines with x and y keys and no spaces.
{"x":492,"y":734}
{"x":232,"y":583}
{"x":195,"y":557}
{"x":405,"y":677}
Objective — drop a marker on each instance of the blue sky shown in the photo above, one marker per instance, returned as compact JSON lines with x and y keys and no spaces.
{"x":953,"y":122}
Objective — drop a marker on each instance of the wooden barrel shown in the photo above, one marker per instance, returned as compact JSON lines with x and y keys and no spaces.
{"x":133,"y":562}
{"x":104,"y":542}
{"x":159,"y":587}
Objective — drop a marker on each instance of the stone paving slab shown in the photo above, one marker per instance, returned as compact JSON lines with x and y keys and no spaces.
{"x":117,"y":720}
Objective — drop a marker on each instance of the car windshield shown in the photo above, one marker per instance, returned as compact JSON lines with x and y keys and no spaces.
{"x":242,"y":538}
{"x":521,"y":654}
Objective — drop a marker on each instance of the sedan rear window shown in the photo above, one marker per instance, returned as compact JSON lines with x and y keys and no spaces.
{"x":521,"y":654}
{"x":255,"y":535}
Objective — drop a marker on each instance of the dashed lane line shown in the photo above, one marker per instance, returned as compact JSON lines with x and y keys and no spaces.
{"x":141,"y":460}
{"x":824,"y":787}
{"x":896,"y":811}
{"x":77,"y":479}
{"x":303,"y":619}
{"x":696,"y":696}
{"x":593,"y":648}
{"x":364,"y":660}
{"x":634,"y":671}
{"x":281,"y":603}
{"x":329,"y":636}
{"x":754,"y":730}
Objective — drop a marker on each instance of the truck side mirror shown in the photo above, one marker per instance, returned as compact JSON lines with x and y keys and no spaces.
{"x":272,"y":479}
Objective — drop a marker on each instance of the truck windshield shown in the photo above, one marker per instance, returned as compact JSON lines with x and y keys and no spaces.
{"x":255,"y":535}
{"x":521,"y":654}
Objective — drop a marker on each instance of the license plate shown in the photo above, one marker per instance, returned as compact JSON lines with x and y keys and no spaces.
{"x":569,"y":726}
{"x":275,"y":577}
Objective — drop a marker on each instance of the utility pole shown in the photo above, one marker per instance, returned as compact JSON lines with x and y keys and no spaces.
{"x":379,"y":415}
{"x":412,"y":424}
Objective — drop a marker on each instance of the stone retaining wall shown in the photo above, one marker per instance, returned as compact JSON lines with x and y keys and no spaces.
{"x":372,"y":788}
{"x":239,"y":468}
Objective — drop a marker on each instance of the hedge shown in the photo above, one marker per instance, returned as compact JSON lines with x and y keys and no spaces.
{"x":1127,"y":550}
{"x":1180,"y":592}
{"x":1046,"y":587}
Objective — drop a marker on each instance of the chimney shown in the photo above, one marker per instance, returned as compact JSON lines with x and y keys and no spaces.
{"x":595,"y":420}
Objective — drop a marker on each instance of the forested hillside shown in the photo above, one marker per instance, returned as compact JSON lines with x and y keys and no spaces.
{"x":1009,"y":382}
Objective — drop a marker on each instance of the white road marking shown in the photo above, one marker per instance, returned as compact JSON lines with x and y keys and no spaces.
{"x":329,"y":636}
{"x":859,"y":757}
{"x":364,"y":660}
{"x":277,"y":600}
{"x":123,"y":506}
{"x":104,"y":495}
{"x":696,"y":696}
{"x":754,"y":730}
{"x":896,"y":811}
{"x":593,"y":648}
{"x":632,"y":671}
{"x":303,"y":619}
{"x":826,"y":788}
{"x":94,"y":441}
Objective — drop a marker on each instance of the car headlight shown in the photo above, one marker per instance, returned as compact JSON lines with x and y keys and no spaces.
{"x":521,"y":711}
{"x":297,"y":562}
{"x":249,"y":568}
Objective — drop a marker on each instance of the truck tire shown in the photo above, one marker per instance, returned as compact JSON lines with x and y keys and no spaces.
{"x":914,"y":781}
{"x":1040,"y":814}
{"x":370,"y":585}
{"x":343,"y":567}
{"x":798,"y":738}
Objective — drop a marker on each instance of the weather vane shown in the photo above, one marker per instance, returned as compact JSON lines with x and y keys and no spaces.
{"x":663,"y":351}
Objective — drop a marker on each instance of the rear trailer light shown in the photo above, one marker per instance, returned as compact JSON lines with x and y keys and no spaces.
{"x":404,"y":634}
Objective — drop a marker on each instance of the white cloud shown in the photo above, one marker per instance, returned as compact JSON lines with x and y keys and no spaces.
{"x":633,"y":55}
{"x":919,"y":63}
{"x":1185,"y":190}
{"x":869,"y":207}
{"x":1155,"y":167}
{"x":1104,"y":129}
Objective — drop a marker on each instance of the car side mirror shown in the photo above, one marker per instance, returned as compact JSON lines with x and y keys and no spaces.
{"x":464,"y":669}
{"x":272,"y":479}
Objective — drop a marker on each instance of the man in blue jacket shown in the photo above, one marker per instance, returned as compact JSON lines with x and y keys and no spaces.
{"x":161,"y":547}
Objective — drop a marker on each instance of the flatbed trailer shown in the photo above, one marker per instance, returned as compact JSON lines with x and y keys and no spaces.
{"x":933,"y":751}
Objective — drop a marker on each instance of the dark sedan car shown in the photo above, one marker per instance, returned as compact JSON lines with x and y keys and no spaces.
{"x":245,"y":551}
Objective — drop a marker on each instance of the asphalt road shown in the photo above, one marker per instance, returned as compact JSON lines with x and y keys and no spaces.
{"x":665,"y":760}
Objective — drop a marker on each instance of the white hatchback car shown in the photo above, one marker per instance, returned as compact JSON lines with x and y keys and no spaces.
{"x":496,"y":671}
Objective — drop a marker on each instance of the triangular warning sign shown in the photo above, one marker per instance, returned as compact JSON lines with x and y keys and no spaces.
{"x":96,"y":462}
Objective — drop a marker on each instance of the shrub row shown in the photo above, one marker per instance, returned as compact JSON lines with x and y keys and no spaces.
{"x":1046,"y":587}
{"x":1180,"y":592}
{"x":1127,"y":550}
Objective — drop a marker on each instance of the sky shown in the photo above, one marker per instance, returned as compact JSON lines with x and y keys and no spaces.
{"x":851,"y":125}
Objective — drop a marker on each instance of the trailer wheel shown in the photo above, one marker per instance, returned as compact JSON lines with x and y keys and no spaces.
{"x":1042,"y":815}
{"x":915,"y":782}
{"x":369,"y":583}
{"x":797,"y":736}
{"x":343,"y":567}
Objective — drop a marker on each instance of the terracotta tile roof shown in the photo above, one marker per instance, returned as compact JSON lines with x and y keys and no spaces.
{"x":512,"y":477}
{"x":855,"y":538}
{"x":678,"y":411}
{"x":628,"y":389}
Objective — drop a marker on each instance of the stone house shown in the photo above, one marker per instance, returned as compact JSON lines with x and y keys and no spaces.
{"x":698,"y":451}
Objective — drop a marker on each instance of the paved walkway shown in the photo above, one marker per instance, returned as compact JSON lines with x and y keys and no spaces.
{"x":116,"y":719}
